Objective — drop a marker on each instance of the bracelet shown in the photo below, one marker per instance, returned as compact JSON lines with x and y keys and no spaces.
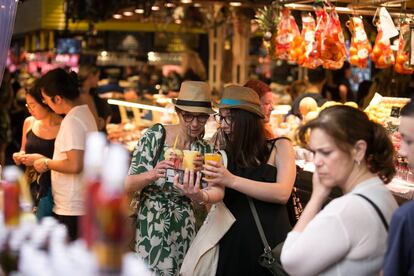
{"x":204,"y":202}
{"x":46,"y":163}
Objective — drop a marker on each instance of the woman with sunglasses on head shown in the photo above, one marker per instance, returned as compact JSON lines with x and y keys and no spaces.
{"x":166,"y":223}
{"x":348,"y":236}
{"x":39,"y":133}
{"x":261,"y":170}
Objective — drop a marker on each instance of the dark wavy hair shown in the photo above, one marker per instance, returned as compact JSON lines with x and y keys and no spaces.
{"x":58,"y":82}
{"x":347,"y":125}
{"x":36,"y":94}
{"x":247,"y":146}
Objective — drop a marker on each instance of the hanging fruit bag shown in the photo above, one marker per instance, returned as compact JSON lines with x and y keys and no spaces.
{"x":333,"y":46}
{"x":382,"y":55}
{"x":360,"y":46}
{"x":287,"y":33}
{"x":402,"y":63}
{"x":311,"y":54}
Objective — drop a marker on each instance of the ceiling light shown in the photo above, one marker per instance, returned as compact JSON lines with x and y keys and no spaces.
{"x":117,"y":16}
{"x":128,"y":13}
{"x":169,"y":5}
{"x":155,"y":8}
{"x":197,"y":5}
{"x":186,"y":1}
{"x":235,"y":4}
{"x":139,"y":11}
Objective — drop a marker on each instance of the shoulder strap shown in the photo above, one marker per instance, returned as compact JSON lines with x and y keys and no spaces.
{"x":160,"y":146}
{"x":377,"y":209}
{"x":259,"y":226}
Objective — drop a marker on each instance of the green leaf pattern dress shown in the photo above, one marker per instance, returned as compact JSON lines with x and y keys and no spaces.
{"x":166,"y":222}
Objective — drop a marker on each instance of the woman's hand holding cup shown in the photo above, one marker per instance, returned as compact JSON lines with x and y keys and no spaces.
{"x":216,"y":174}
{"x":160,"y":169}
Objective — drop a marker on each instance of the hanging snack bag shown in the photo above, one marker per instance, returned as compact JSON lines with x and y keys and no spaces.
{"x":311,"y":54}
{"x":381,"y":54}
{"x":321,"y":23}
{"x":402,"y":64}
{"x":333,"y":46}
{"x":287,"y":31}
{"x":360,"y":46}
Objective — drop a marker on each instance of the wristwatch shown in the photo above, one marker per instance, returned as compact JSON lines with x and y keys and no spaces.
{"x":46,"y":161}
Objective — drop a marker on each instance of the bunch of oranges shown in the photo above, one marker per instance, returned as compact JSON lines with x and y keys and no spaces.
{"x":360,"y":46}
{"x":402,"y":64}
{"x":382,"y":55}
{"x":333,"y":46}
{"x":297,"y":50}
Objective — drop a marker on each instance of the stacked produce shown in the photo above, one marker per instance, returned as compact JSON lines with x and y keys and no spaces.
{"x":381,"y":111}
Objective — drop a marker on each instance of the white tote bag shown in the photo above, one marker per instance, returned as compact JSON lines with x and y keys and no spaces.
{"x":202,"y":256}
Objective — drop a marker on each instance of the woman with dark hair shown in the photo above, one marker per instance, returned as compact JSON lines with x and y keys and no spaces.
{"x":60,"y":92}
{"x":166,"y":222}
{"x":341,"y":89}
{"x":38,"y":139}
{"x":355,"y":154}
{"x":399,"y":259}
{"x":261,"y":170}
{"x":88,"y":76}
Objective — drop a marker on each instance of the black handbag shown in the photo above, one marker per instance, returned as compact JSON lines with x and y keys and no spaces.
{"x":270,"y":258}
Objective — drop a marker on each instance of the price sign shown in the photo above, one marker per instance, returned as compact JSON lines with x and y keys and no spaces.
{"x":395,"y":112}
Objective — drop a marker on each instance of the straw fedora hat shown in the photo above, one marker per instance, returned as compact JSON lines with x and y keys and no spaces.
{"x":194,"y":96}
{"x":236,"y":96}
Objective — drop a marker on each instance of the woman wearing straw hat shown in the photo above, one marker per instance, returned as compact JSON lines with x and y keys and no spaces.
{"x":166,"y":223}
{"x":252,"y":171}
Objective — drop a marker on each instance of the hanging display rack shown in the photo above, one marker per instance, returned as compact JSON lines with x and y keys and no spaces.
{"x":360,"y":7}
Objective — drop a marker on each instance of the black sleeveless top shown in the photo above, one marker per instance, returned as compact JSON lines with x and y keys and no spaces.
{"x":241,"y":246}
{"x":45,"y":147}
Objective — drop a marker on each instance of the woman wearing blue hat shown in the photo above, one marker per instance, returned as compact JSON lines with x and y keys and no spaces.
{"x":259,"y":171}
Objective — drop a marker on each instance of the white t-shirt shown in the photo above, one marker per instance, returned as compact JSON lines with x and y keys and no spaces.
{"x":347,"y":237}
{"x":67,"y":189}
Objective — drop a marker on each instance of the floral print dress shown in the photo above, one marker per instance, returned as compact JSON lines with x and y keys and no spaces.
{"x":166,"y":222}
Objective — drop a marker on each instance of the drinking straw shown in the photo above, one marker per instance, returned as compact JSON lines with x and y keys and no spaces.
{"x":176,"y":139}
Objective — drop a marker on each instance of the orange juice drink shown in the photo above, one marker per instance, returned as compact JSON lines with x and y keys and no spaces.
{"x":216,"y":157}
{"x":188,"y":160}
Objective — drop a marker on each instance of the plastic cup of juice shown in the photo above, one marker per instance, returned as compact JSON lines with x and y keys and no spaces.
{"x":188,"y":160}
{"x":216,"y":157}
